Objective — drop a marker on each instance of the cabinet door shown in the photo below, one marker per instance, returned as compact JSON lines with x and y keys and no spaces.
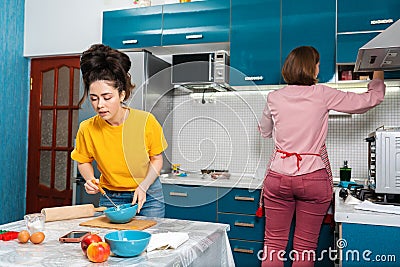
{"x":196,"y":22}
{"x":247,"y":227}
{"x":255,"y":43}
{"x":378,"y":248}
{"x":371,"y":15}
{"x":308,"y":23}
{"x":348,"y":45}
{"x":246,"y":253}
{"x":238,"y":200}
{"x":190,"y":202}
{"x":133,"y":28}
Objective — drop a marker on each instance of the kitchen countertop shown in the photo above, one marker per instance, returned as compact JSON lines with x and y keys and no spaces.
{"x":208,"y":245}
{"x":234,"y":181}
{"x":345,"y":213}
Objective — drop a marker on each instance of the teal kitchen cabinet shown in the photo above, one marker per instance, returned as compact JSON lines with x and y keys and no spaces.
{"x":237,"y":208}
{"x":255,"y":43}
{"x":368,"y":245}
{"x":371,"y":15}
{"x":133,"y":28}
{"x":358,"y":24}
{"x":348,"y":45}
{"x":196,"y":22}
{"x":190,"y":202}
{"x":308,"y":23}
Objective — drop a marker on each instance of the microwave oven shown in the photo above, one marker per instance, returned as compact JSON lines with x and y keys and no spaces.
{"x":384,"y":160}
{"x":201,"y":70}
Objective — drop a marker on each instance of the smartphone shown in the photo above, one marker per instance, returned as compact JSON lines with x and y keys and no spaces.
{"x":74,"y":236}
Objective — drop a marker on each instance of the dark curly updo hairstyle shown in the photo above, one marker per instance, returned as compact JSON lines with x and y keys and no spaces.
{"x":103,"y":63}
{"x":300,"y":65}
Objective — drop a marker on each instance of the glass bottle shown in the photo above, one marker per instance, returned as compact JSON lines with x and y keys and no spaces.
{"x":345,"y":172}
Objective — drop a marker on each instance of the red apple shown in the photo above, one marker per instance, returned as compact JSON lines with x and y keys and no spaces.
{"x":98,"y":252}
{"x":89,"y":239}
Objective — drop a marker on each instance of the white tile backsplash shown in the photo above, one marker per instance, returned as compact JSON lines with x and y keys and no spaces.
{"x":223,"y":133}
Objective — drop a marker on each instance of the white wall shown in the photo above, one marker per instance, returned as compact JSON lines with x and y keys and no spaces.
{"x":59,"y":27}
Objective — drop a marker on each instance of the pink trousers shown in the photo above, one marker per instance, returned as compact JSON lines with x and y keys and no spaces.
{"x":308,"y":195}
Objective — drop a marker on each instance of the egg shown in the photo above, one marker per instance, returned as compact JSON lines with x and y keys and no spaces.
{"x":37,"y":237}
{"x":23,"y":236}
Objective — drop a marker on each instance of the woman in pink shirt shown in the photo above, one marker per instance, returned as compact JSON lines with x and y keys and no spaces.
{"x":299,"y":177}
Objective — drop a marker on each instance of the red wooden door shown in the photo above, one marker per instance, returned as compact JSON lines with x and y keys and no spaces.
{"x":53,"y":123}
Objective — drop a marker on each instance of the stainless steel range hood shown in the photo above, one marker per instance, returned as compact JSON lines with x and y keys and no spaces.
{"x":382,"y":52}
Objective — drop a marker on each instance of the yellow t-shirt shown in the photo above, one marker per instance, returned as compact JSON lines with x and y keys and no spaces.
{"x":121,"y":152}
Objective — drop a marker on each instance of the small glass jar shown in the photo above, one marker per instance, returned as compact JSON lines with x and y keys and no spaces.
{"x":35,"y":222}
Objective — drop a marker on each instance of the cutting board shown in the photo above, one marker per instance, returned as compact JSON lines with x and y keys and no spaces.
{"x":104,"y":222}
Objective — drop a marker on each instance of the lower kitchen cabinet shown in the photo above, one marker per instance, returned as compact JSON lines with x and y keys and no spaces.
{"x":236,"y":207}
{"x":368,"y":245}
{"x":246,"y":253}
{"x":196,"y":203}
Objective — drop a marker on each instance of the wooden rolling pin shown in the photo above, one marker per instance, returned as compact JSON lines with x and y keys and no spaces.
{"x":70,"y":212}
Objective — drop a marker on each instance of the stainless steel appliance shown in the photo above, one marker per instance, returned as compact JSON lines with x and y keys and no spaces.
{"x":153,"y":93}
{"x":384,"y":160}
{"x":201,"y":70}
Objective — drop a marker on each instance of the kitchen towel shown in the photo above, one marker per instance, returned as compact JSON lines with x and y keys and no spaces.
{"x":369,"y":206}
{"x":167,"y":240}
{"x":70,"y":212}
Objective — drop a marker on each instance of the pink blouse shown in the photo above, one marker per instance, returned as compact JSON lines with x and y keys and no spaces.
{"x":297,"y":118}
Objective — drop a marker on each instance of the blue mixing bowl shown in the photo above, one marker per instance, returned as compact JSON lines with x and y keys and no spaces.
{"x":124,"y":214}
{"x":127,"y":243}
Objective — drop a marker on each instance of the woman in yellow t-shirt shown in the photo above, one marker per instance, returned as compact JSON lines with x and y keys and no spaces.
{"x":125,"y":143}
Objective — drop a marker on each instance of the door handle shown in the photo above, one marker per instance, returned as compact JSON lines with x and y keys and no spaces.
{"x":126,"y":42}
{"x":243,"y":250}
{"x":242,"y":224}
{"x":244,"y":198}
{"x":178,"y":194}
{"x":194,"y":36}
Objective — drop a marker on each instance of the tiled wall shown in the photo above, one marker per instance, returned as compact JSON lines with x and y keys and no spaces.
{"x":222,"y":132}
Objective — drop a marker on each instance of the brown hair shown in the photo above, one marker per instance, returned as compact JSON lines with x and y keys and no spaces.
{"x":300,"y":65}
{"x":103,"y":63}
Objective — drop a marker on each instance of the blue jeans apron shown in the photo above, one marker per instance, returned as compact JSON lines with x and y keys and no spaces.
{"x":153,"y":207}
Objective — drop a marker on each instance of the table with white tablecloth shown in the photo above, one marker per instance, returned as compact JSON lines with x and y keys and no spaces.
{"x":208,"y":245}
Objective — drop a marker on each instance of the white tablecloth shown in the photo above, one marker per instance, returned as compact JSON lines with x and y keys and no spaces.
{"x":208,"y":245}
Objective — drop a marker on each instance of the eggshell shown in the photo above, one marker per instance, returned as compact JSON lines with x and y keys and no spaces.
{"x":23,"y":236}
{"x":37,"y":237}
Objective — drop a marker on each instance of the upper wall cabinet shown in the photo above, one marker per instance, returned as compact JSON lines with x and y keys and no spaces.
{"x":133,"y":28}
{"x":307,"y":23}
{"x":196,"y":22}
{"x":255,"y":42}
{"x":371,"y":15}
{"x":357,"y":24}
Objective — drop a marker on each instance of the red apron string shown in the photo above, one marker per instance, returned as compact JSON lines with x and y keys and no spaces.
{"x":298,"y":156}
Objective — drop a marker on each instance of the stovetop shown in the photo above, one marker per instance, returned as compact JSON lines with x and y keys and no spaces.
{"x":362,"y":193}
